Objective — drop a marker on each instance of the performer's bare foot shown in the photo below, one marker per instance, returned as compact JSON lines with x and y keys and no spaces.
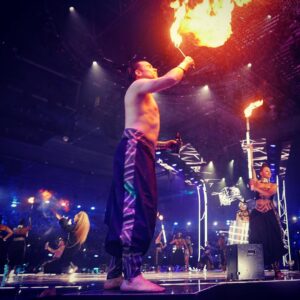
{"x":140,"y":284}
{"x":113,"y":284}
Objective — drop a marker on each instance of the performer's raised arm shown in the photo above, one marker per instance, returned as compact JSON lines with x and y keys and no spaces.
{"x":145,"y":85}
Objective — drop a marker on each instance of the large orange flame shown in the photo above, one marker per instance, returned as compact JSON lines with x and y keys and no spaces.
{"x":251,"y":107}
{"x":208,"y":21}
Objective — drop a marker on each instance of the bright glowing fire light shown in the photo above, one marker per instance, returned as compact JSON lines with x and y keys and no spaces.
{"x":209,"y":21}
{"x":46,"y":195}
{"x":251,"y":107}
{"x":30,"y":200}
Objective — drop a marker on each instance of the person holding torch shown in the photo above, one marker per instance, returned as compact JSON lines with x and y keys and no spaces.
{"x":132,"y":206}
{"x":264,"y":226}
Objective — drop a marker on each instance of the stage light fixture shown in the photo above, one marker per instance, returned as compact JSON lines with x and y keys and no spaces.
{"x":78,"y":206}
{"x":215,"y":223}
{"x":175,"y":223}
{"x":249,"y":65}
{"x":189,"y":223}
{"x":65,"y":138}
{"x":93,"y":208}
{"x":30,"y":200}
{"x":95,"y":63}
{"x":71,"y":8}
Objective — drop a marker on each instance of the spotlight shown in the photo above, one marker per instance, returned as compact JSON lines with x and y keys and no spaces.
{"x":174,"y":165}
{"x":71,"y":8}
{"x":175,"y":223}
{"x":249,"y":65}
{"x":273,"y":146}
{"x":96,"y":255}
{"x":65,"y":138}
{"x":188,"y":223}
{"x":158,"y":152}
{"x":95,"y":63}
{"x":93,"y":208}
{"x":294,"y":218}
{"x":206,"y":87}
{"x":30,"y":200}
{"x":161,"y":217}
{"x":269,"y":17}
{"x":78,"y":206}
{"x":215,"y":223}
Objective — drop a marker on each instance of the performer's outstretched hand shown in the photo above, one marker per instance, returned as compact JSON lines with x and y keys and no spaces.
{"x":187,"y":63}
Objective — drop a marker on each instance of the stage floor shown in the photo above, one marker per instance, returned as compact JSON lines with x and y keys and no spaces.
{"x":90,"y":285}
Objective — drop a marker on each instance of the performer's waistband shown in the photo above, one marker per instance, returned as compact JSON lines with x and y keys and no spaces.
{"x":264,"y":205}
{"x":16,"y":239}
{"x":132,"y":133}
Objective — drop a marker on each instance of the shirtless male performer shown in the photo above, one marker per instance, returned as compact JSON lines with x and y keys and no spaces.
{"x":132,"y":205}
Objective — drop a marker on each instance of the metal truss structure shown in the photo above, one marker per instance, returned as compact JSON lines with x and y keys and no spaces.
{"x":259,"y":151}
{"x":281,"y":198}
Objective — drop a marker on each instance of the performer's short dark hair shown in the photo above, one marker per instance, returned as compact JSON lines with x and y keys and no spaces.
{"x":264,"y":165}
{"x":22,"y":222}
{"x":132,"y":66}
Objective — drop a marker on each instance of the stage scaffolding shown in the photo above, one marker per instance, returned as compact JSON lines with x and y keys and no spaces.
{"x":281,"y":200}
{"x":202,"y":216}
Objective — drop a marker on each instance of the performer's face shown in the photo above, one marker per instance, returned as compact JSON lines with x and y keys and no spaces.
{"x":243,"y":206}
{"x":145,"y":70}
{"x":265,"y":173}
